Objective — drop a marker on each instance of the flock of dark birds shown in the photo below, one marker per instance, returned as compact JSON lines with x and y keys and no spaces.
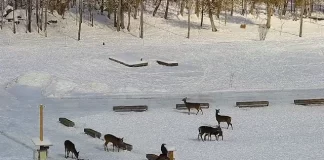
{"x":203,"y":131}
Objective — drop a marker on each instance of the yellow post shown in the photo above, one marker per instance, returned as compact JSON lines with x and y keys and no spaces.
{"x":41,"y":122}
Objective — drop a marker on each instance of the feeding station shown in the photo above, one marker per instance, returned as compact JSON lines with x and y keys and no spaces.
{"x":42,"y":144}
{"x":171,"y":153}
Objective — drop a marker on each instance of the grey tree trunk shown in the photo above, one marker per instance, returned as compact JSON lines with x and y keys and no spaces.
{"x":136,"y":8}
{"x":42,"y":16}
{"x":232,"y":7}
{"x":13,"y":21}
{"x":129,"y":15}
{"x":268,"y":14}
{"x":166,"y":10}
{"x":210,"y":14}
{"x":80,"y":19}
{"x":189,"y":13}
{"x":301,"y":18}
{"x":142,"y":20}
{"x":37,"y":15}
{"x":202,"y":13}
{"x":182,"y":6}
{"x":122,"y":22}
{"x":197,"y":8}
{"x":156,"y":8}
{"x":45,"y":25}
{"x":102,"y":7}
{"x":285,"y":7}
{"x":29,"y":4}
{"x":118,"y":15}
{"x":2,"y":6}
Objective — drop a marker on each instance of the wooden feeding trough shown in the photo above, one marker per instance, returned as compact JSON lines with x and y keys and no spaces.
{"x":252,"y":104}
{"x":309,"y":102}
{"x":129,"y":63}
{"x":66,"y":122}
{"x":167,"y":63}
{"x":126,"y":146}
{"x":92,"y":133}
{"x":183,"y":106}
{"x":136,"y":108}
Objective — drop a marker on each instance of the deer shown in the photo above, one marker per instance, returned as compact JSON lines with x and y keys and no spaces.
{"x":192,"y":105}
{"x":69,"y":147}
{"x":118,"y":142}
{"x":204,"y":130}
{"x":217,"y":132}
{"x":220,"y":118}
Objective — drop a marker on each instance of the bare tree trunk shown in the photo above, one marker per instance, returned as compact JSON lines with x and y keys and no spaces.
{"x":285,"y":7}
{"x":45,"y":25}
{"x":268,"y":14}
{"x":118,"y":15}
{"x":252,"y":7}
{"x":29,"y":14}
{"x":189,"y":13}
{"x":136,"y":8}
{"x":80,"y":19}
{"x":142,"y":20}
{"x":243,"y":11}
{"x":166,"y":10}
{"x":291,"y":6}
{"x":129,"y":15}
{"x":2,"y":6}
{"x":37,"y":15}
{"x":115,"y":17}
{"x":13,"y":20}
{"x":156,"y":7}
{"x":301,"y":18}
{"x":42,"y":16}
{"x":202,"y":13}
{"x":210,"y":14}
{"x":225,"y":8}
{"x":197,"y":8}
{"x":102,"y":7}
{"x":182,"y":6}
{"x":232,"y":7}
{"x":121,"y":13}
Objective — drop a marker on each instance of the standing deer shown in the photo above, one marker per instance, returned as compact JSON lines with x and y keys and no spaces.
{"x":118,"y":142}
{"x":220,"y":118}
{"x":69,"y":147}
{"x":203,"y":130}
{"x":192,"y":105}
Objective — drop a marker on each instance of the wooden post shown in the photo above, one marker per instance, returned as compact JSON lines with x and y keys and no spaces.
{"x":171,"y":153}
{"x":41,"y":122}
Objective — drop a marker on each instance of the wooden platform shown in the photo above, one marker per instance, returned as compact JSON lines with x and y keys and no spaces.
{"x":92,"y":133}
{"x":129,"y":64}
{"x":136,"y":108}
{"x":316,"y":18}
{"x":252,"y":104}
{"x":154,"y":157}
{"x":66,"y":122}
{"x":183,"y":106}
{"x":167,"y":63}
{"x":309,"y":102}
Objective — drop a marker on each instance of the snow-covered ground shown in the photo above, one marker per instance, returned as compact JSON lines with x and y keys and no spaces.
{"x":76,"y":80}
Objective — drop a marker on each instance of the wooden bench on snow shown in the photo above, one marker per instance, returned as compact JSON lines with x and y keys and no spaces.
{"x":309,"y":102}
{"x":252,"y":104}
{"x":183,"y":106}
{"x":136,"y":108}
{"x":129,"y":62}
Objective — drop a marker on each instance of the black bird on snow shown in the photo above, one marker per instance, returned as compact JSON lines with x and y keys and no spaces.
{"x":164,"y":150}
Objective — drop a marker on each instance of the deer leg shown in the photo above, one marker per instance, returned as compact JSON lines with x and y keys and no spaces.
{"x":65,"y":153}
{"x":189,"y":111}
{"x":231,"y":125}
{"x":201,"y":111}
{"x":197,"y":111}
